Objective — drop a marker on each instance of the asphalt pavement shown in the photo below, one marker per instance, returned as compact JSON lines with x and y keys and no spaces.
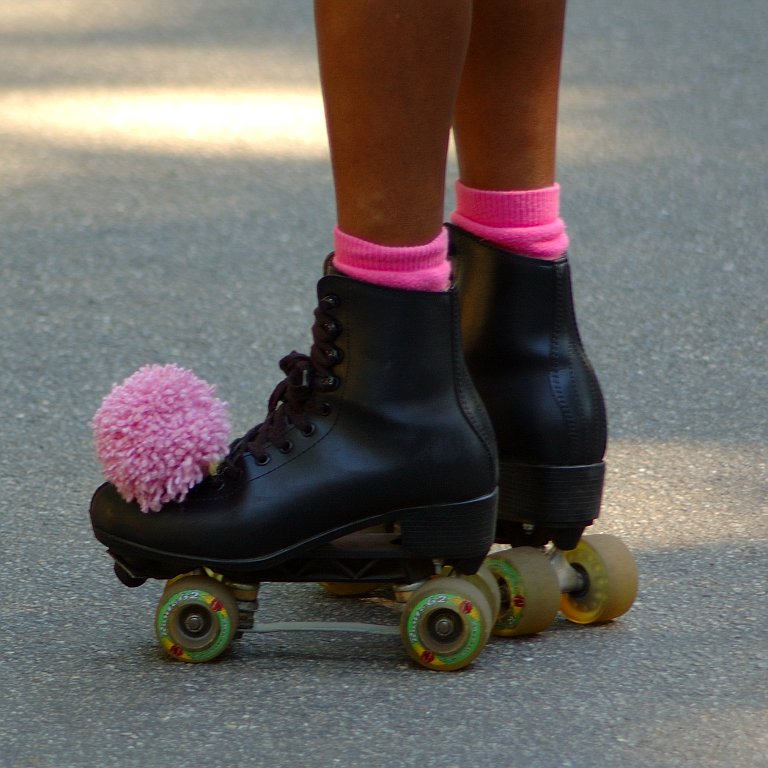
{"x":165,"y":196}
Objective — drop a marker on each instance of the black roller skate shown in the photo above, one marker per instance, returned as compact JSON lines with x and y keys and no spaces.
{"x":379,"y":426}
{"x":526,"y":359}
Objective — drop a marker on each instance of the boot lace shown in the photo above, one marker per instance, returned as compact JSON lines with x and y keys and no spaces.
{"x":296,"y":398}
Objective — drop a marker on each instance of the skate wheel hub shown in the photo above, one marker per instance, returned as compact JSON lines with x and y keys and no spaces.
{"x":444,"y":627}
{"x":194,"y":622}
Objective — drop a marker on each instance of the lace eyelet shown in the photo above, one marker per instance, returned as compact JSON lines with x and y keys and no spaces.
{"x":332,"y":328}
{"x":287,"y":447}
{"x":329,"y":383}
{"x":308,"y":430}
{"x":333,"y":354}
{"x":263,"y":460}
{"x":330,"y":301}
{"x":325,"y":409}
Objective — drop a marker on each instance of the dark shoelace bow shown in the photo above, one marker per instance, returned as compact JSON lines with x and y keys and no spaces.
{"x":295,"y":397}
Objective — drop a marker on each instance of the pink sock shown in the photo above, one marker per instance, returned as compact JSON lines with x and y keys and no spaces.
{"x":526,"y":222}
{"x":412,"y":267}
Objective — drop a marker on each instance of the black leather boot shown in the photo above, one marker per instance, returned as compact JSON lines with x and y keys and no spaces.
{"x":527,"y":361}
{"x":379,"y":424}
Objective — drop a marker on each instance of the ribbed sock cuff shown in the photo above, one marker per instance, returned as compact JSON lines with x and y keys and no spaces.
{"x":411,"y":267}
{"x":526,"y":222}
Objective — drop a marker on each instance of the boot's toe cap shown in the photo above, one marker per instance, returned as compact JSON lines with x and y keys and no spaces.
{"x":112,"y":515}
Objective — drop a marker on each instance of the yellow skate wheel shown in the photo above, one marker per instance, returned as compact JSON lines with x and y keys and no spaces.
{"x":530,"y":592}
{"x":489,"y":587}
{"x":610,"y":580}
{"x":196,"y":619}
{"x":347,"y":588}
{"x":446,"y":623}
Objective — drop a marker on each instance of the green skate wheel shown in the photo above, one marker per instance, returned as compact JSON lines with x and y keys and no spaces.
{"x":196,"y":619}
{"x":446,"y":623}
{"x":530,"y":593}
{"x":610,"y":580}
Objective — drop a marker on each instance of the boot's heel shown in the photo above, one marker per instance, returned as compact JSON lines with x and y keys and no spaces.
{"x":552,"y":497}
{"x":462,"y":531}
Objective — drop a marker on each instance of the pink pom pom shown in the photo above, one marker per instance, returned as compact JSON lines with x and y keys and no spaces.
{"x":157,"y":433}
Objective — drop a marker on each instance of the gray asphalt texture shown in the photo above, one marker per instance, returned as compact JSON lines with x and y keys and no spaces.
{"x":135,"y":234}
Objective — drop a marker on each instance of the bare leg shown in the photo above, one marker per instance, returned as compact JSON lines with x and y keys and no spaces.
{"x":390,"y":71}
{"x":518,"y":323}
{"x":506,"y":115}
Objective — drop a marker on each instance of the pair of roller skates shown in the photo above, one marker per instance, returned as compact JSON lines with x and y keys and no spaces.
{"x":422,"y":429}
